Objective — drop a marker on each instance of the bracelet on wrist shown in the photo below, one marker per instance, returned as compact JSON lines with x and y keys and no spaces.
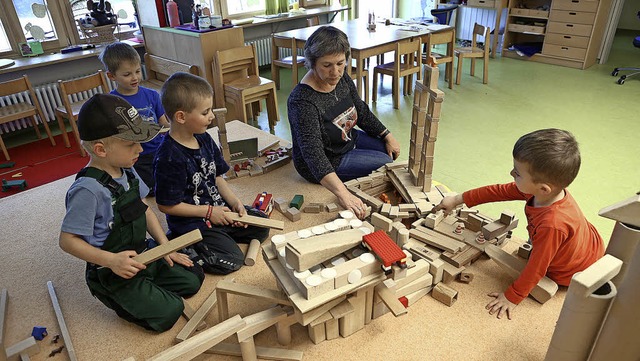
{"x":207,"y":219}
{"x":384,"y":134}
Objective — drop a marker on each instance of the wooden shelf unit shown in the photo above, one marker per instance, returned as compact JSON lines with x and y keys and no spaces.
{"x":570,"y":33}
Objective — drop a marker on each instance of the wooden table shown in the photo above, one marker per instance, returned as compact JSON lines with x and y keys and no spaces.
{"x":365,"y":43}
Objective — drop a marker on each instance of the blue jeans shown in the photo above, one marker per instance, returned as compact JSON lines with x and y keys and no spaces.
{"x":368,"y":155}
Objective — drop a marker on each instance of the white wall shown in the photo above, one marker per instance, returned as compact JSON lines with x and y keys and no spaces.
{"x":628,"y":17}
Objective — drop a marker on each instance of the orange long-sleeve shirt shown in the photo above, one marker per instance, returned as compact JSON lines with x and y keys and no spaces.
{"x":564,"y":242}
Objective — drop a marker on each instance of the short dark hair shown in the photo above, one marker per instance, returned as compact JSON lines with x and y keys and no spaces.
{"x":327,"y":40}
{"x":552,"y":156}
{"x":182,"y":92}
{"x":115,"y":54}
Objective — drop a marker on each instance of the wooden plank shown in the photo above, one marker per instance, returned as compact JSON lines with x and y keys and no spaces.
{"x":310,"y":316}
{"x":162,"y":250}
{"x":436,"y":240}
{"x":305,"y":253}
{"x":390,"y":300}
{"x":188,"y":313}
{"x":27,"y":346}
{"x":542,"y":292}
{"x":198,"y":317}
{"x":255,"y":221}
{"x":263,"y":353}
{"x":252,"y":291}
{"x":4,"y":298}
{"x":282,"y":277}
{"x":260,"y":321}
{"x":201,"y":342}
{"x":66,"y":337}
{"x":588,"y":281}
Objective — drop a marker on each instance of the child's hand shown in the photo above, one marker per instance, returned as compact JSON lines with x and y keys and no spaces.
{"x":500,"y":304}
{"x":123,"y":265}
{"x":218,"y":217}
{"x":238,"y":207}
{"x":449,"y":203}
{"x":179,"y":258}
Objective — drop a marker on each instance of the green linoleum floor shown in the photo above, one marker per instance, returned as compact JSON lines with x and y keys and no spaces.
{"x":480,"y":123}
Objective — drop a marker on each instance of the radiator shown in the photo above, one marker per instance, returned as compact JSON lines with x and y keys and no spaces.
{"x":263,"y":50}
{"x":467,"y":16}
{"x":49,"y":98}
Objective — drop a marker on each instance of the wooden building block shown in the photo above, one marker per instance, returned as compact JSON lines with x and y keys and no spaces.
{"x":332,"y":329}
{"x":201,"y":342}
{"x":313,"y":208}
{"x":474,"y":222}
{"x":224,"y":287}
{"x":4,"y":299}
{"x":256,"y":221}
{"x":331,"y":207}
{"x":260,"y":321}
{"x":360,"y":267}
{"x":413,"y":297}
{"x":297,"y":201}
{"x":420,"y":269}
{"x":390,"y":300}
{"x":595,"y":276}
{"x":463,"y":257}
{"x":420,"y":250}
{"x":305,"y":253}
{"x":495,"y":228}
{"x":444,"y":294}
{"x":465,"y":277}
{"x":435,"y":239}
{"x":353,"y":322}
{"x":202,"y":312}
{"x":386,"y":208}
{"x":524,"y":250}
{"x":66,"y":337}
{"x":281,"y":204}
{"x":317,"y":333}
{"x":451,"y":272}
{"x":437,"y":270}
{"x":27,"y":346}
{"x":421,"y":282}
{"x":252,"y":253}
{"x":625,"y":211}
{"x":293,"y":214}
{"x":262,"y":353}
{"x":542,"y":292}
{"x":162,"y":250}
{"x":381,"y":222}
{"x":188,"y":313}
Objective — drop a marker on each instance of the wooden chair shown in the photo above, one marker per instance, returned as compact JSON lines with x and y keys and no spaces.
{"x":290,"y":62}
{"x":474,"y":52}
{"x":407,"y":61}
{"x":447,"y":37}
{"x":30,"y":107}
{"x":365,"y":80}
{"x":237,"y":82}
{"x":74,"y":93}
{"x":160,"y":69}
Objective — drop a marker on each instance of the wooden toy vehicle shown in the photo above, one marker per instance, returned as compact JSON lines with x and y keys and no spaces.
{"x":385,"y":249}
{"x":6,"y":185}
{"x":264,"y":203}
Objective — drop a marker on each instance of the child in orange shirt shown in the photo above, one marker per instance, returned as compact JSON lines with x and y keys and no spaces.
{"x":545,"y":162}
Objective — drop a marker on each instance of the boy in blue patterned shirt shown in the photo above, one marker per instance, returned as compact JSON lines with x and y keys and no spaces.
{"x":123,"y":66}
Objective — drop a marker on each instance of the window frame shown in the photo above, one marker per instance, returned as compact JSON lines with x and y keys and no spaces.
{"x":225,"y":11}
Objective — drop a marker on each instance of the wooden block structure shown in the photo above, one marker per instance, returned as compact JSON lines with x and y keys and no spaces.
{"x":303,"y":254}
{"x":424,"y":128}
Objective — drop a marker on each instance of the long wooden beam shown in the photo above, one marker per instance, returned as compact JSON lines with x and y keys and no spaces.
{"x":162,"y":250}
{"x":198,"y":344}
{"x":256,"y":221}
{"x":66,"y":337}
{"x":4,"y":297}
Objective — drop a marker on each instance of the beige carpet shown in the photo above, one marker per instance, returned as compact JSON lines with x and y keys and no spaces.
{"x":30,"y":223}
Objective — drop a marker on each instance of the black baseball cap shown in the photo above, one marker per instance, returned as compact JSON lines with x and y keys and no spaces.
{"x":106,"y":115}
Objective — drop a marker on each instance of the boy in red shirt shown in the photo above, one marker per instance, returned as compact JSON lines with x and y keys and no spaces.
{"x":545,"y":162}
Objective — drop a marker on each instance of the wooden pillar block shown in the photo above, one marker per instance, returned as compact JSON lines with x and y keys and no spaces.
{"x":252,"y":252}
{"x":332,"y":329}
{"x":317,"y":333}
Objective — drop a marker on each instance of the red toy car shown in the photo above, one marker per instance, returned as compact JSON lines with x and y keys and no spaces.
{"x":264,"y":203}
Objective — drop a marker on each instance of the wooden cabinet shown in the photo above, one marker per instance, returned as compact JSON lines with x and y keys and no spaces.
{"x":566,"y":32}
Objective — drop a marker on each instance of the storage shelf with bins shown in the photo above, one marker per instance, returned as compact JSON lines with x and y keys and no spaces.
{"x":526,"y":24}
{"x":570,"y":33}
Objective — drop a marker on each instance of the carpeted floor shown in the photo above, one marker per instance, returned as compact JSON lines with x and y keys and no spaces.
{"x":39,"y":163}
{"x":430,"y":330}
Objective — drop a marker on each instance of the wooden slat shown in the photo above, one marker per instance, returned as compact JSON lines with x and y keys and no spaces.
{"x":162,"y":250}
{"x":263,"y":353}
{"x":197,"y":318}
{"x":256,"y":221}
{"x":66,"y":337}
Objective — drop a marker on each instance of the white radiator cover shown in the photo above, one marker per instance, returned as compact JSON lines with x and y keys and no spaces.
{"x":49,"y":98}
{"x":263,"y":50}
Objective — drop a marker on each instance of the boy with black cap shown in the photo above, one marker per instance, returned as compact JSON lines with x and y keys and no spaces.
{"x":107,"y":220}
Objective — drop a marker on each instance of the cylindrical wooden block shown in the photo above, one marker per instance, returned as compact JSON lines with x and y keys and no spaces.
{"x":622,"y":245}
{"x":579,"y":322}
{"x":618,"y":339}
{"x":248,"y":349}
{"x":403,"y":237}
{"x":252,"y":252}
{"x":283,"y":330}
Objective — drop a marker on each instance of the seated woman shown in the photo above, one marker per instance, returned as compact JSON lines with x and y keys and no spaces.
{"x":324,"y":110}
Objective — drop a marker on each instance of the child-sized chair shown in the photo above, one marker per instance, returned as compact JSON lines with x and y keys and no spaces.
{"x":474,"y":52}
{"x":30,"y":107}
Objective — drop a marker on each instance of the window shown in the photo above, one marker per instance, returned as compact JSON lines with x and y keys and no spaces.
{"x":122,"y":8}
{"x":239,"y":8}
{"x":5,"y":46}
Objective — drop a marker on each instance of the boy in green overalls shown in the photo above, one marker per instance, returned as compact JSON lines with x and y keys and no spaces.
{"x":107,"y":220}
